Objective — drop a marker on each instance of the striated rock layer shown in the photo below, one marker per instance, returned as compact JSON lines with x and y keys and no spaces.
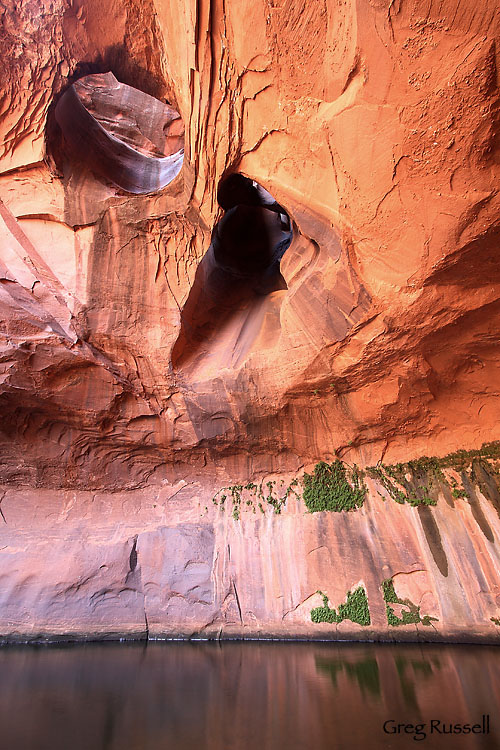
{"x":131,"y":391}
{"x":120,"y":133}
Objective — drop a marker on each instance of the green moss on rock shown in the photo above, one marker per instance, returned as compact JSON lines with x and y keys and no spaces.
{"x":415,"y":491}
{"x":329,"y":489}
{"x":355,"y":608}
{"x":418,"y":482}
{"x":410,"y":616}
{"x":254,"y":495}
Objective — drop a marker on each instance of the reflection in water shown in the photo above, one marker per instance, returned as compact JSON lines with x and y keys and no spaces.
{"x":241,"y":696}
{"x":364,"y":672}
{"x":413,"y":672}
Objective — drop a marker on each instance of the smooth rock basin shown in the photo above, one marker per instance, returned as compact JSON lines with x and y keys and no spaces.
{"x":121,"y":133}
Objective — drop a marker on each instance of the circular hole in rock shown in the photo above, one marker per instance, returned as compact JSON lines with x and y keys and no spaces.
{"x":122,"y":134}
{"x":254,"y":233}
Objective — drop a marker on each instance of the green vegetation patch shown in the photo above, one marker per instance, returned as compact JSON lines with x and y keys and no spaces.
{"x":456,"y":490}
{"x":460,"y":460}
{"x":416,"y":490}
{"x":329,"y":488}
{"x":495,"y":620}
{"x":254,"y":496}
{"x":339,"y":487}
{"x":355,"y":608}
{"x":410,"y":616}
{"x":417,"y":482}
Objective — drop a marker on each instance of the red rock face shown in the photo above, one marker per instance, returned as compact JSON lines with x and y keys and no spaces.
{"x":133,"y":378}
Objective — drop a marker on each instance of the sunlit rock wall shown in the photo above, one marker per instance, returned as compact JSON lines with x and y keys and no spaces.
{"x":375,"y":126}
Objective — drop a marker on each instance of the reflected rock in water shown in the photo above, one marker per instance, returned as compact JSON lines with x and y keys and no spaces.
{"x":243,"y":696}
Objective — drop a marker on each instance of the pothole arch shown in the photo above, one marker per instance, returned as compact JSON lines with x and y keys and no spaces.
{"x":253,"y":234}
{"x":232,"y":295}
{"x":120,"y":133}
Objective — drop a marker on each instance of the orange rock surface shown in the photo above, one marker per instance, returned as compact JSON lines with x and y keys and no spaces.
{"x":128,"y":399}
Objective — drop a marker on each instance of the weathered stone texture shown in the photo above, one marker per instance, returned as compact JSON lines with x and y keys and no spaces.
{"x":375,"y":125}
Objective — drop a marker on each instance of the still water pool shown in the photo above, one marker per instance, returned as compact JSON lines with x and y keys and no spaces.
{"x":249,"y":696}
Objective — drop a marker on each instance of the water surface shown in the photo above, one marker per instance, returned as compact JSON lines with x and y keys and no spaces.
{"x":246,"y":696}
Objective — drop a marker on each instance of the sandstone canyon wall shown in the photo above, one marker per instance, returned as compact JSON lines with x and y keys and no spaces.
{"x":133,"y":388}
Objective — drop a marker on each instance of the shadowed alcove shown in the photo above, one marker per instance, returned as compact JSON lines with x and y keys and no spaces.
{"x":238,"y":282}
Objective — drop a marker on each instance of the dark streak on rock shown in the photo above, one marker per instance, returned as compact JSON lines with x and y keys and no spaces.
{"x":133,"y":556}
{"x":477,"y":511}
{"x":433,"y":537}
{"x":486,"y":482}
{"x":445,"y":488}
{"x":237,"y":600}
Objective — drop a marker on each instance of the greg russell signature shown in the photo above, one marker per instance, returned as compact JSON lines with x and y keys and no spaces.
{"x":436,"y":726}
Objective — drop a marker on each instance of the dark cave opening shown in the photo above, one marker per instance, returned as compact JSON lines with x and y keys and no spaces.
{"x":239,"y":272}
{"x":253,"y":234}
